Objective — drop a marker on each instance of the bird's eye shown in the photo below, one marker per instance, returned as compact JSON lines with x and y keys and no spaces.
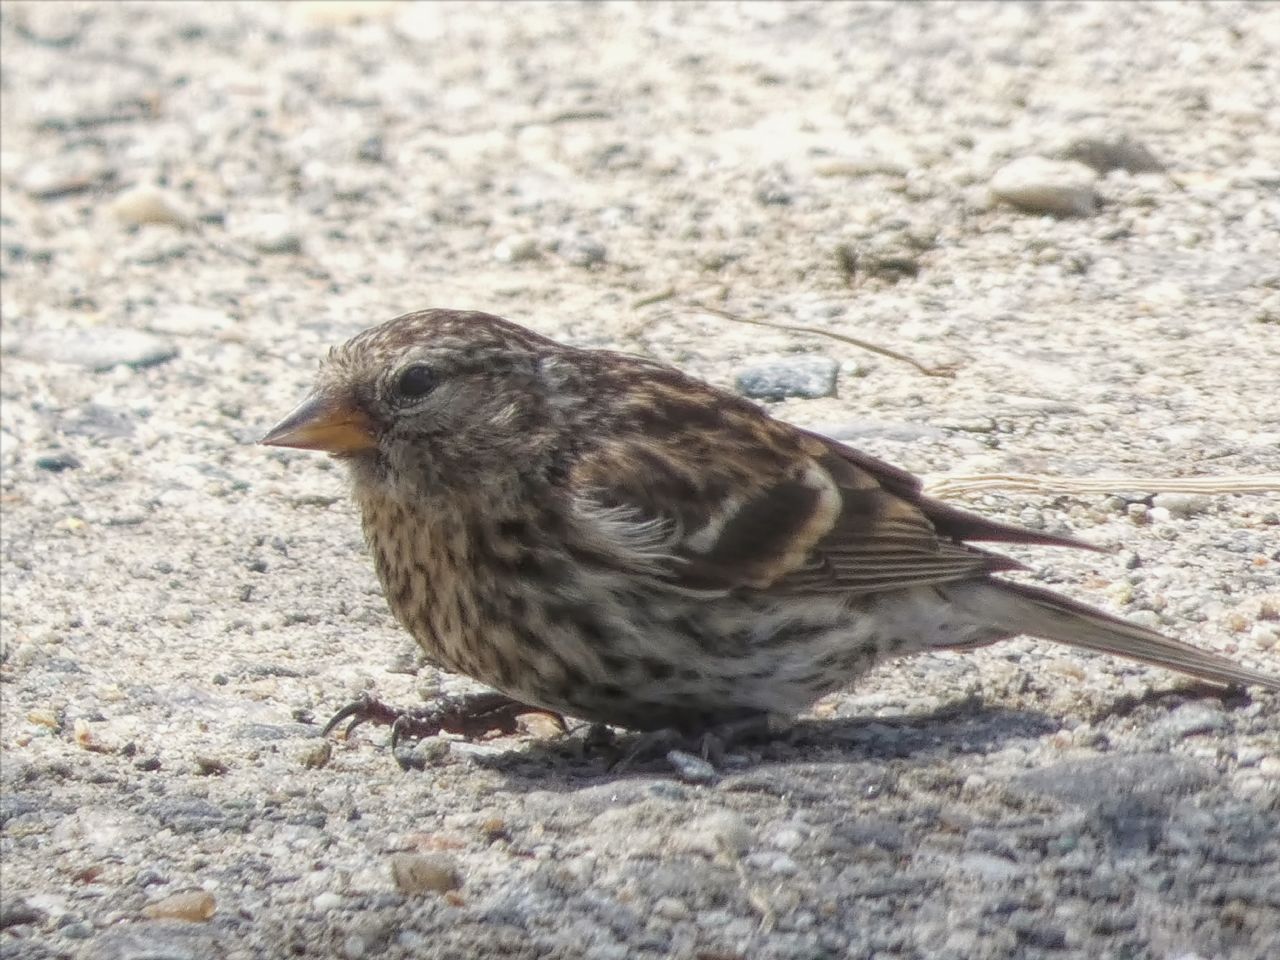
{"x":416,"y":381}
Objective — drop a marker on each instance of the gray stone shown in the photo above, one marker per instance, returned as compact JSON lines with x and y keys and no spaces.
{"x":691,"y":769}
{"x":808,"y":376}
{"x":1190,"y":719}
{"x":96,"y":348}
{"x":57,"y":461}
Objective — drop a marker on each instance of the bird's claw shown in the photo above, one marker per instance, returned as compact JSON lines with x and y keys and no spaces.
{"x":364,"y":709}
{"x":471,"y":716}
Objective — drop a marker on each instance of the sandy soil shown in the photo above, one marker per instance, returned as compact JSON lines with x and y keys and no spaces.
{"x":198,"y":199}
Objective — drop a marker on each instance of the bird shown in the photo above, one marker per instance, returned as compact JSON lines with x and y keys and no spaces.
{"x":601,"y":536}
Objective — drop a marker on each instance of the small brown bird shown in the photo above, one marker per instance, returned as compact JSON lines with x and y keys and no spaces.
{"x":601,"y":536}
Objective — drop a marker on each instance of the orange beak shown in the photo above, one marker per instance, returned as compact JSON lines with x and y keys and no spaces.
{"x":326,"y":423}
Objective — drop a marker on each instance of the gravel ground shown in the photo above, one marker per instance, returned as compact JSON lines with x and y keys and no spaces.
{"x":1073,"y":205}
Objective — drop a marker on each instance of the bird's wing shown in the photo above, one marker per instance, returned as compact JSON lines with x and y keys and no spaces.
{"x":750,"y":502}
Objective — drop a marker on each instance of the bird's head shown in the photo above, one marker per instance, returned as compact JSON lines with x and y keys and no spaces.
{"x":432,"y":401}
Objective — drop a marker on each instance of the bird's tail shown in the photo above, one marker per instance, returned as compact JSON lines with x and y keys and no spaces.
{"x":1019,"y":608}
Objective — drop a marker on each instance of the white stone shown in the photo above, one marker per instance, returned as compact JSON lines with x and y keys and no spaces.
{"x":1061,"y":188}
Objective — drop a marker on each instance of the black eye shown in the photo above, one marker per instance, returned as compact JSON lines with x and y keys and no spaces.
{"x":416,"y":381}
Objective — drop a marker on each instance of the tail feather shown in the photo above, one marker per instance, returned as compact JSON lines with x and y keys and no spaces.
{"x":1041,"y":613}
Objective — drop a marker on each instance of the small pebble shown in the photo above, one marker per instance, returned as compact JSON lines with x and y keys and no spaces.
{"x":541,"y":726}
{"x":670,"y":908}
{"x":43,"y":718}
{"x":148,"y":205}
{"x":1264,"y":636}
{"x":195,"y":906}
{"x":210,"y":766}
{"x":316,"y":754}
{"x":429,"y":751}
{"x":57,"y":462}
{"x":324,"y":902}
{"x":77,"y":930}
{"x":425,"y":873}
{"x":691,"y":769}
{"x":1060,"y":188}
{"x":810,"y":376}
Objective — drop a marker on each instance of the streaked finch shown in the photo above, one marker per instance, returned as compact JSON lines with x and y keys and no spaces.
{"x":602,"y":536}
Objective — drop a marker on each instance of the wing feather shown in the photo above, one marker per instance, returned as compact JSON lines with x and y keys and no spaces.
{"x":765,"y":506}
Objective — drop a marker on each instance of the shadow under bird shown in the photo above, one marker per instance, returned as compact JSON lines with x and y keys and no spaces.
{"x":601,"y":536}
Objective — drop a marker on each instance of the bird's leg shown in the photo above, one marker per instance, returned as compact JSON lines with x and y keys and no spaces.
{"x":649,"y":745}
{"x":472,"y":715}
{"x":711,"y":744}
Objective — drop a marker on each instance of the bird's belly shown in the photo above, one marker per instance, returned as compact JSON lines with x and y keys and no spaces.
{"x":705,"y":662}
{"x":598,"y":651}
{"x":689,"y":665}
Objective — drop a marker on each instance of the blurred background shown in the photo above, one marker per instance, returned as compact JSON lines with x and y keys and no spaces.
{"x":194,"y":169}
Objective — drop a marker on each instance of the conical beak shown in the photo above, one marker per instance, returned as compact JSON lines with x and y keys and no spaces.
{"x":323,"y":422}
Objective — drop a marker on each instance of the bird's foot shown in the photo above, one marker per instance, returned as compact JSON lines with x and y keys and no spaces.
{"x":710,"y":745}
{"x":473,"y":715}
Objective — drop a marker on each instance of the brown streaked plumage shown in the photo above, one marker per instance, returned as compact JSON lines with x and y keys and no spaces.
{"x":602,"y":536}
